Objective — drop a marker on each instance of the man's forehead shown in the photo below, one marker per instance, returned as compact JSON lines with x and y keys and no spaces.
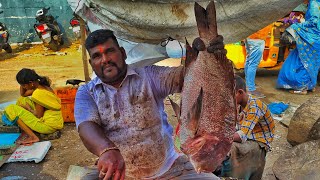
{"x":100,"y":48}
{"x":106,"y":45}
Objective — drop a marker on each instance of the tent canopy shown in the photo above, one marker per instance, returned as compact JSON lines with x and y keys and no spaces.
{"x":151,"y":21}
{"x":141,"y":25}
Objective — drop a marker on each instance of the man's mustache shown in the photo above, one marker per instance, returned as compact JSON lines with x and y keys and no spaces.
{"x":112,"y":64}
{"x":109,"y":63}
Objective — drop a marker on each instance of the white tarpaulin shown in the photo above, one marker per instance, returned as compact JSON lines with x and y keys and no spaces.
{"x":152,"y":21}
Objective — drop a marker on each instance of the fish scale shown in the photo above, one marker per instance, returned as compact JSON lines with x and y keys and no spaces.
{"x":208,"y":107}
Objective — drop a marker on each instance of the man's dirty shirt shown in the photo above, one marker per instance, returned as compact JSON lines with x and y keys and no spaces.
{"x":133,"y":116}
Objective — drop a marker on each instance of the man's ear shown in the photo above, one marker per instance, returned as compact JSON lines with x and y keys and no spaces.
{"x":124,"y":54}
{"x":241,"y":91}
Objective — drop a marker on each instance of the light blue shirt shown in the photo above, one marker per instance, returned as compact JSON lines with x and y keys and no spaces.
{"x":133,"y":116}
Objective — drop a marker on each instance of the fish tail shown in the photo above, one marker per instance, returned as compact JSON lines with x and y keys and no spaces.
{"x":206,"y":20}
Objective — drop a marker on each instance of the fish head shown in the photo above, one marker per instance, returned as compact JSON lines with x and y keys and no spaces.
{"x":201,"y":150}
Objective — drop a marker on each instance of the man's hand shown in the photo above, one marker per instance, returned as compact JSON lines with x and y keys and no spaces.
{"x":216,"y":46}
{"x":111,"y":165}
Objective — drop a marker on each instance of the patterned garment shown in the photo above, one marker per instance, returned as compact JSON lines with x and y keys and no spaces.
{"x":256,"y":122}
{"x":133,"y":117}
{"x":300,"y":69}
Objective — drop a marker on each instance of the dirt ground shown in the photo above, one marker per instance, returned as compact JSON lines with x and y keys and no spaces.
{"x":69,"y":150}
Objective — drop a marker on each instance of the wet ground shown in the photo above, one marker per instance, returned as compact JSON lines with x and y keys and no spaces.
{"x":68,"y":150}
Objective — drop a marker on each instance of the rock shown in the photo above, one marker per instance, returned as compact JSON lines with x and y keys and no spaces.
{"x":287,"y":115}
{"x":305,"y":123}
{"x":300,"y":162}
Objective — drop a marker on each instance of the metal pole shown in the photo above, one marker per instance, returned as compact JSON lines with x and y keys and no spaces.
{"x":84,"y":52}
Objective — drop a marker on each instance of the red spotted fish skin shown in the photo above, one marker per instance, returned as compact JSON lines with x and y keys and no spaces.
{"x":208,"y":107}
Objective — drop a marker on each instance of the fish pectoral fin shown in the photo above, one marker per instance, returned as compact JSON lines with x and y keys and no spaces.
{"x":206,"y":20}
{"x":176,"y":109}
{"x":195,"y":114}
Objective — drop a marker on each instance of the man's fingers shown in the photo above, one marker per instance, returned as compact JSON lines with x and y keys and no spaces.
{"x":218,"y":51}
{"x":109,"y":173}
{"x":120,"y":170}
{"x":216,"y":40}
{"x":123,"y":173}
{"x":102,"y":174}
{"x":213,"y":48}
{"x":198,"y":44}
{"x":116,"y":175}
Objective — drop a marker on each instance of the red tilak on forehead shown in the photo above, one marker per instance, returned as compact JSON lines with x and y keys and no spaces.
{"x":100,"y":49}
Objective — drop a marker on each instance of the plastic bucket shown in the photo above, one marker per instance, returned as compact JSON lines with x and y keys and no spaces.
{"x":67,"y":96}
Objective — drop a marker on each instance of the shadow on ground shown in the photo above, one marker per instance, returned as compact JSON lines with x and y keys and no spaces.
{"x":6,"y":96}
{"x":24,"y":170}
{"x":15,"y":50}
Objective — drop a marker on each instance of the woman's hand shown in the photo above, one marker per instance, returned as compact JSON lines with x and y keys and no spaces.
{"x":25,"y":92}
{"x":111,"y":165}
{"x":27,"y":107}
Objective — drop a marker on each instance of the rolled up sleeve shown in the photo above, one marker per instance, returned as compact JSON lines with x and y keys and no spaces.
{"x":167,"y":80}
{"x":85,"y":108}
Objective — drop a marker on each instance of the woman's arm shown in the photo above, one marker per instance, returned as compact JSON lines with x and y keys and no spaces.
{"x":38,"y":111}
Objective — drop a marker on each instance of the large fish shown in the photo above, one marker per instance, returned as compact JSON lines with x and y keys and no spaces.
{"x":208,"y":106}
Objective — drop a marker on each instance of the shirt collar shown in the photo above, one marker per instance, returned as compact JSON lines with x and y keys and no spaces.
{"x":130,"y":72}
{"x":248,"y":102}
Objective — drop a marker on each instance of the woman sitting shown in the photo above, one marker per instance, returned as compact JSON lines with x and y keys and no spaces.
{"x":299,"y":71}
{"x":40,"y":113}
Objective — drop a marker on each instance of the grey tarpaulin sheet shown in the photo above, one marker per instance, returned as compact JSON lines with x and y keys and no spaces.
{"x":151,"y":21}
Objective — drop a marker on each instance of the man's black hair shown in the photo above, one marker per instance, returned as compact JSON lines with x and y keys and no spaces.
{"x":99,"y":37}
{"x":240,"y":83}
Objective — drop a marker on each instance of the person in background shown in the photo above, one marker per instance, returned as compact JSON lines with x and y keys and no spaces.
{"x":300,"y":70}
{"x":255,"y":132}
{"x":120,"y":115}
{"x":254,"y":53}
{"x":40,"y":113}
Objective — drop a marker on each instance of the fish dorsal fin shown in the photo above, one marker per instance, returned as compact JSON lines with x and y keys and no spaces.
{"x":176,"y":109}
{"x":206,"y":20}
{"x":191,"y":55}
{"x":195,"y":114}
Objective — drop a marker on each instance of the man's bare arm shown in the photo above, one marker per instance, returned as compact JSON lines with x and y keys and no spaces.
{"x":110,"y":163}
{"x":93,"y":137}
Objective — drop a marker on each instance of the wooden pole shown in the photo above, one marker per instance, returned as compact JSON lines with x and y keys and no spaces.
{"x":84,"y":51}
